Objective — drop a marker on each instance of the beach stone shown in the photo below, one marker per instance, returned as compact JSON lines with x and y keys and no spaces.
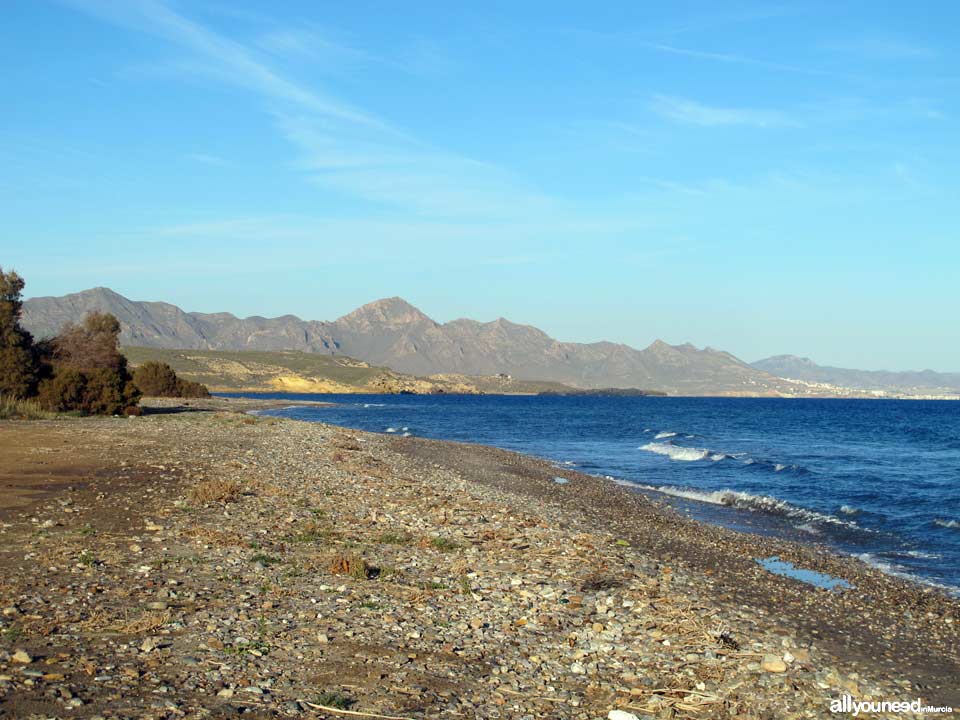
{"x":22,"y":657}
{"x":543,"y":604}
{"x":773,"y":664}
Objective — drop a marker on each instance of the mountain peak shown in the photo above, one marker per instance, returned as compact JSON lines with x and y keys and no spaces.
{"x":659,"y":345}
{"x":391,"y":311}
{"x":784,"y":361}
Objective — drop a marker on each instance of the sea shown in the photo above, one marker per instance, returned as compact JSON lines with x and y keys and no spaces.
{"x":876,"y":479}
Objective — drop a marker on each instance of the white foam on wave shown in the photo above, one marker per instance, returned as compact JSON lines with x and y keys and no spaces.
{"x":664,"y":434}
{"x":953,"y":524}
{"x":684,"y":454}
{"x":675,"y":452}
{"x":391,"y":430}
{"x":918,"y":554}
{"x":407,"y":434}
{"x":777,"y":467}
{"x":753,"y":503}
{"x":896,"y":570}
{"x":849,"y":510}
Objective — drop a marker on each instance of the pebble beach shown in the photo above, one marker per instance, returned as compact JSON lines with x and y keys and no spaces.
{"x":200,"y":561}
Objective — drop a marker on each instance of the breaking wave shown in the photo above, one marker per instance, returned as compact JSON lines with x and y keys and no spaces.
{"x":953,"y":524}
{"x":754,"y":503}
{"x":897,"y":570}
{"x":917,"y":554}
{"x":676,"y":452}
{"x":692,"y":454}
{"x":664,"y":434}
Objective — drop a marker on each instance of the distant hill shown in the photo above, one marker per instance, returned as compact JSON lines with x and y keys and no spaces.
{"x":262,"y":371}
{"x":394,"y":334}
{"x":799,"y":368}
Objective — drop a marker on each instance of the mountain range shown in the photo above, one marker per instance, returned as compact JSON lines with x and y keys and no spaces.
{"x":800,"y":368}
{"x":394,"y":334}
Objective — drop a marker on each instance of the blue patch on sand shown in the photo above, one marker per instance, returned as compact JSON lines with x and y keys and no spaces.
{"x":811,"y":577}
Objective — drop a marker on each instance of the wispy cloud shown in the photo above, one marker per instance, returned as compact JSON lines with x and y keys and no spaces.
{"x":313,"y":43}
{"x":341,"y":146}
{"x":883,"y":47}
{"x":690,"y":112}
{"x":207,"y":159}
{"x":233,"y":61}
{"x":737,"y":59}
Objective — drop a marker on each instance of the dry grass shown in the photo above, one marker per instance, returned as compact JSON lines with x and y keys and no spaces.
{"x":213,"y":536}
{"x":101,"y":622}
{"x":12,"y":408}
{"x":346,"y":442}
{"x":215,"y":491}
{"x":144,"y":623}
{"x":352,"y":565}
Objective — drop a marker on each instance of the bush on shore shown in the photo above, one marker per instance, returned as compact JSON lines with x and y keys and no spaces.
{"x":157,"y":379}
{"x":81,"y":370}
{"x":90,"y":374}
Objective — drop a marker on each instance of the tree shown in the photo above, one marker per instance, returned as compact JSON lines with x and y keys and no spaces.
{"x":94,"y":344}
{"x":89,"y":373}
{"x":18,"y":361}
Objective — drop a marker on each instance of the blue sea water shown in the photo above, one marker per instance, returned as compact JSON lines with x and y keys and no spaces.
{"x":875,"y":479}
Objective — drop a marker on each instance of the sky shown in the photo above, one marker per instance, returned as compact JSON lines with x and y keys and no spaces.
{"x":758,"y":177}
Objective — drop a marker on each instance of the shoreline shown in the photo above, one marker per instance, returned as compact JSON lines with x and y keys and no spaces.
{"x":497,"y":592}
{"x":224,"y":392}
{"x":749,"y":549}
{"x":730,"y":557}
{"x":707,"y":509}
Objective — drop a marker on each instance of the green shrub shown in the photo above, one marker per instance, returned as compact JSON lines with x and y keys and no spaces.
{"x":64,"y":391}
{"x":100,"y":391}
{"x":157,"y":379}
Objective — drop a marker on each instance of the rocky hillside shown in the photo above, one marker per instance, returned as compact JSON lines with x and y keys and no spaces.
{"x":394,"y":334}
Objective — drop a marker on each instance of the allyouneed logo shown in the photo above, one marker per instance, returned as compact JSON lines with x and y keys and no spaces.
{"x":846,"y":704}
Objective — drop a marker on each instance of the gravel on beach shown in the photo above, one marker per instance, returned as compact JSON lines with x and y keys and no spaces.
{"x":218,"y":564}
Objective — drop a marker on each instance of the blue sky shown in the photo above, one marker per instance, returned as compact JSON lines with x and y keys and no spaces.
{"x":757,"y":177}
